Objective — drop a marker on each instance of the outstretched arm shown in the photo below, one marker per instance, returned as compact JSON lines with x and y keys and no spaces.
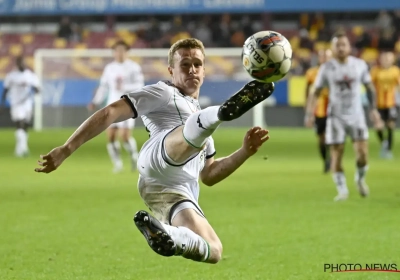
{"x":93,"y":126}
{"x":311,"y":104}
{"x":217,"y":170}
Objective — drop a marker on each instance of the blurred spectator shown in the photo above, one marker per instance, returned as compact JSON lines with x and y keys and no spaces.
{"x":387,"y":40}
{"x":76,"y":34}
{"x":153,"y":34}
{"x":222,"y":32}
{"x":65,"y":29}
{"x":363,"y":40}
{"x":384,"y":20}
{"x":203,"y":32}
{"x":396,"y":23}
{"x":305,"y":41}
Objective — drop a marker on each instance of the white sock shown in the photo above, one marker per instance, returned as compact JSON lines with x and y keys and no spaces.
{"x":190,"y":245}
{"x":340,"y":180}
{"x":131,"y":147}
{"x":114,"y":149}
{"x":24,"y":141}
{"x":21,"y":137}
{"x":361,"y":172}
{"x":200,"y":125}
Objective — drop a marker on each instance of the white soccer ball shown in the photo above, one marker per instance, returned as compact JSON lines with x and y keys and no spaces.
{"x":267,"y":56}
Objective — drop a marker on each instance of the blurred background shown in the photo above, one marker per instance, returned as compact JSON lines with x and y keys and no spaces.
{"x":77,"y":32}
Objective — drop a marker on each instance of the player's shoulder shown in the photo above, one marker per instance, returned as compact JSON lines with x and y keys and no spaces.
{"x":132,"y":63}
{"x":164,"y":87}
{"x":358,"y":61}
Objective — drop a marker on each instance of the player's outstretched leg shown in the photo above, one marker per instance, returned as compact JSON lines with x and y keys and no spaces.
{"x":200,"y":125}
{"x":246,"y":98}
{"x":169,"y":241}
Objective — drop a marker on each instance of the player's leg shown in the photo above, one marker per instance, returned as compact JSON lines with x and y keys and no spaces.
{"x":335,"y":137}
{"x":360,"y":143}
{"x":380,"y":133}
{"x":114,"y":148}
{"x":182,"y":143}
{"x":129,"y":142}
{"x":391,"y":126}
{"x":178,"y":227}
{"x":20,"y":116}
{"x":320,"y":124}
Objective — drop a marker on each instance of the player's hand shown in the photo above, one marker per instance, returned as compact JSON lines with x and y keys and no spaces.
{"x":52,"y":160}
{"x":376,"y":119}
{"x":254,"y":139}
{"x":309,"y":121}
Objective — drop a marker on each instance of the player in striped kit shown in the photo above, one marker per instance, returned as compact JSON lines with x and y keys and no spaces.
{"x":321,"y":108}
{"x":386,"y":78}
{"x":119,"y":77}
{"x":18,"y":86}
{"x":344,"y":75}
{"x":179,"y":152}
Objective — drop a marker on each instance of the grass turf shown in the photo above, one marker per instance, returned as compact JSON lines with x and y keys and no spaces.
{"x":275,"y":217}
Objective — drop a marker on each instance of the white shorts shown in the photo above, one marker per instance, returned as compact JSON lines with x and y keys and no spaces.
{"x":166,"y":187}
{"x":127,"y":124}
{"x":22,"y":112}
{"x":337,"y":130}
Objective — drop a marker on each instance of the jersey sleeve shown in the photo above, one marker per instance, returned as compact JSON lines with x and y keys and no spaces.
{"x":365,"y":73}
{"x":35,"y":81}
{"x":321,"y":80}
{"x":101,"y":91}
{"x":210,"y":149}
{"x":148,"y":99}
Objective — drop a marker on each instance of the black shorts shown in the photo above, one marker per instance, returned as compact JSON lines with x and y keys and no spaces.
{"x":388,"y":114}
{"x":320,"y":125}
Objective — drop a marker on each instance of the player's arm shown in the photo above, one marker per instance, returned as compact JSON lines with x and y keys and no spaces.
{"x":319,"y":85}
{"x":93,"y":126}
{"x":308,"y":86}
{"x":134,"y":104}
{"x":216,"y":170}
{"x":101,"y":92}
{"x":371,"y":95}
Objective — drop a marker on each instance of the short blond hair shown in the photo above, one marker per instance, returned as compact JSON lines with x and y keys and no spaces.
{"x":189,"y":43}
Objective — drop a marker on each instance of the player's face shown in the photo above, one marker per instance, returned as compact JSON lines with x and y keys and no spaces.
{"x":188,"y":70}
{"x":341,"y":47}
{"x":120,"y":53}
{"x":386,"y":59}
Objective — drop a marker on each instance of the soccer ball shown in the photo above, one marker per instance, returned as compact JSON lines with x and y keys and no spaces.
{"x":267,"y":56}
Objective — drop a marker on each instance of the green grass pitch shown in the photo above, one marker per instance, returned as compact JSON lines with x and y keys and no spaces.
{"x":276,"y":217}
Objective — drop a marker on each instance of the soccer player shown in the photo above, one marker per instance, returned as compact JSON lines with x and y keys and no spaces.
{"x":120,"y":76}
{"x":179,"y":151}
{"x":386,"y":78}
{"x":322,"y":106}
{"x":344,"y":75}
{"x":18,"y":87}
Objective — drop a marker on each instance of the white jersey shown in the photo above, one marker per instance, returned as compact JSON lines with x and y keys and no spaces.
{"x":344,"y":81}
{"x":118,"y":79}
{"x":162,"y":108}
{"x":19,"y":85}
